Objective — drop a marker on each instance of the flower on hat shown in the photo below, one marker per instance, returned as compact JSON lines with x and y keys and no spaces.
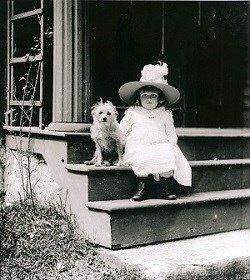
{"x":154,"y":73}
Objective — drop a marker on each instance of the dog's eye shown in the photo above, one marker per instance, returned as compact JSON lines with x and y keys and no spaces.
{"x":100,"y":113}
{"x":108,"y":113}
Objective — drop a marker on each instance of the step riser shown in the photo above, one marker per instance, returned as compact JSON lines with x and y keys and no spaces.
{"x":216,"y":178}
{"x":210,"y":148}
{"x":81,"y":149}
{"x":113,"y":185}
{"x":146,"y":226}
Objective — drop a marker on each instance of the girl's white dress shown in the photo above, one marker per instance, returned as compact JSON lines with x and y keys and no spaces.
{"x":151,"y":144}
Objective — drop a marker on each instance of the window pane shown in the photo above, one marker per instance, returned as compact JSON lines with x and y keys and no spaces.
{"x":48,"y":63}
{"x":21,"y":6}
{"x":25,"y":116}
{"x":27,"y":36}
{"x":26,"y":39}
{"x":27,"y":82}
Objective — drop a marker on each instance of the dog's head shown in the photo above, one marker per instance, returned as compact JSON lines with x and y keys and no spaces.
{"x":104,"y":112}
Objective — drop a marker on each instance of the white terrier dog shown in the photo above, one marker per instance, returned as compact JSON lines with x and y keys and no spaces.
{"x":106,"y":134}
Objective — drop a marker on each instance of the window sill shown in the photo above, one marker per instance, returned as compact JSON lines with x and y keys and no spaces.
{"x":33,"y":131}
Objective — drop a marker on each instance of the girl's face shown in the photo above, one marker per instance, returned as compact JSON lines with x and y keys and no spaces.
{"x":149,"y":100}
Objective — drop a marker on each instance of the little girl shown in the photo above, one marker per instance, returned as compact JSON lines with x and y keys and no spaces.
{"x":151,"y":141}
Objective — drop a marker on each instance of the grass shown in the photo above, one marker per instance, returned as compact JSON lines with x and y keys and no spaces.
{"x":43,"y":243}
{"x":34,"y":243}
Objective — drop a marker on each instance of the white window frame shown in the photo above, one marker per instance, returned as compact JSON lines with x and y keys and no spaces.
{"x":12,"y":61}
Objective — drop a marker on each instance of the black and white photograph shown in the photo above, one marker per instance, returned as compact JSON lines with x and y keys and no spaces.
{"x":124,"y":140}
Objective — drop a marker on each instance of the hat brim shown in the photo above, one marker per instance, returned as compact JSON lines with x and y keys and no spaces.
{"x":127,"y":91}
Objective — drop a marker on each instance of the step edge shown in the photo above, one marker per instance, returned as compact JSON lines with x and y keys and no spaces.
{"x":184,"y":200}
{"x":195,"y":163}
{"x":190,"y":132}
{"x":216,"y":162}
{"x":213,"y":132}
{"x":92,"y":168}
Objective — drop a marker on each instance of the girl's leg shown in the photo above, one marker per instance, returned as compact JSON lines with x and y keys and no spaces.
{"x":141,"y":189}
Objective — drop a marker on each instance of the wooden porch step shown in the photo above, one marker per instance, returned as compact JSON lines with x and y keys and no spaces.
{"x":196,"y":144}
{"x":193,"y":163}
{"x":122,"y":223}
{"x":110,"y":183}
{"x":126,"y":204}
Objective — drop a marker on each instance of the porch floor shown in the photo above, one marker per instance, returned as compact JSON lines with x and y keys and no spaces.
{"x":216,"y":256}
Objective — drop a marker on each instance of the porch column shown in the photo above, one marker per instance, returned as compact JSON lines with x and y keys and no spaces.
{"x":67,"y":64}
{"x":246,"y":97}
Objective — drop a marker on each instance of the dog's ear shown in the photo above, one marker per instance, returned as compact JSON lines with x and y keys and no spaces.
{"x":112,"y":105}
{"x":116,"y":112}
{"x":97,"y":103}
{"x":93,"y":109}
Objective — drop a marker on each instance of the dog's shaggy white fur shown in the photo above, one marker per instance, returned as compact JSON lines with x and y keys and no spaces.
{"x":106,"y":134}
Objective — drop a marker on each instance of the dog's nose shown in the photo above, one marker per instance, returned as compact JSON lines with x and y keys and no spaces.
{"x":104,"y":119}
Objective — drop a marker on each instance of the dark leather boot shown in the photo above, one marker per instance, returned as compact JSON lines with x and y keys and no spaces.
{"x":140,"y":194}
{"x":170,"y":196}
{"x":166,"y":189}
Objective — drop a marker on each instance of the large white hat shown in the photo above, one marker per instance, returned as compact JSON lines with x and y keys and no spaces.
{"x":151,"y":75}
